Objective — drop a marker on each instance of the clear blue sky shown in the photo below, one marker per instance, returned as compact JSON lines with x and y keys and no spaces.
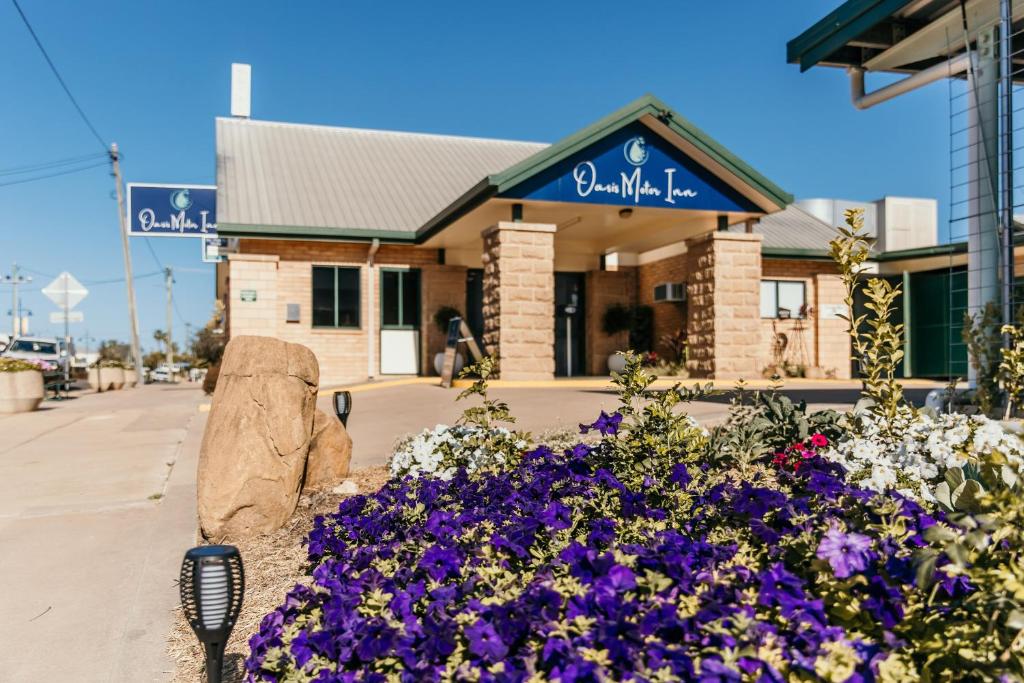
{"x":152,"y":77}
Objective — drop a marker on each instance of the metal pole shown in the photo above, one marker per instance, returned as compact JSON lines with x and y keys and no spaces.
{"x":1006,"y":154}
{"x":133,"y":317}
{"x":168,"y":282}
{"x":15,"y":279}
{"x":15,"y":309}
{"x":67,"y":341}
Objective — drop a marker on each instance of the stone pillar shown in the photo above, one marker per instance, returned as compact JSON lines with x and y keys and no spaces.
{"x":519,"y":299}
{"x":724,"y":291}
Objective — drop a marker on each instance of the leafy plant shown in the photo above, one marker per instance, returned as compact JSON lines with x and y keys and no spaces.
{"x":879,"y":349}
{"x":1011,"y":368}
{"x":981,"y":335}
{"x":617,"y":318}
{"x":637,"y":320}
{"x":17,"y":365}
{"x":443,"y":316}
{"x":489,"y":411}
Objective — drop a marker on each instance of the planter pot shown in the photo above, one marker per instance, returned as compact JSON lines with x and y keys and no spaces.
{"x":116,"y":377}
{"x":616,"y":363}
{"x":131,"y":378}
{"x":99,"y":379}
{"x":460,"y":363}
{"x":21,"y":392}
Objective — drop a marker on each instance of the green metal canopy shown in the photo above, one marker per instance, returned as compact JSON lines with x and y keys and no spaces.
{"x":858,"y":31}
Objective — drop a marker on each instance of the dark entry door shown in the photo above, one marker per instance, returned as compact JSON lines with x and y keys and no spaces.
{"x":475,"y":302}
{"x":570,"y":327}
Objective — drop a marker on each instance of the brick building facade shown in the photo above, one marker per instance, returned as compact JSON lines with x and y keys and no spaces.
{"x":640,"y":210}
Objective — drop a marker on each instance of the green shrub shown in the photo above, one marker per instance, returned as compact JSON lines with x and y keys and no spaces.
{"x":17,"y":365}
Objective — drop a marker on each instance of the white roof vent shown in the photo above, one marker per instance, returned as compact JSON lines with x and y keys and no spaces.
{"x":241,"y":90}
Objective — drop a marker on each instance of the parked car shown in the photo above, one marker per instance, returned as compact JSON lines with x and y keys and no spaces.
{"x":161,"y":374}
{"x":43,"y":350}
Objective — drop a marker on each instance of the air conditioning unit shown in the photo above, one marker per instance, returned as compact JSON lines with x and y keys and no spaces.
{"x":670,"y":291}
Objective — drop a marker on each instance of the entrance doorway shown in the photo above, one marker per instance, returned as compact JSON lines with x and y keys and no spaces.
{"x":570,"y":327}
{"x":475,"y":303}
{"x":399,"y":321}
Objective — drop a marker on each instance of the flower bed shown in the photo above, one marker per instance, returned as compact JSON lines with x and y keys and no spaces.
{"x":646,"y":557}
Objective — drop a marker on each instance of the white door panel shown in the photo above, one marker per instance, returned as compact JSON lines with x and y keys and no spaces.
{"x":399,"y":352}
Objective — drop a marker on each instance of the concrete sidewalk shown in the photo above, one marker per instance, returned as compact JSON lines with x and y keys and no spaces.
{"x":97,"y":506}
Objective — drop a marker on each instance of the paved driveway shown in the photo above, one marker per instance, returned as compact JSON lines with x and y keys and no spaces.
{"x":97,"y":505}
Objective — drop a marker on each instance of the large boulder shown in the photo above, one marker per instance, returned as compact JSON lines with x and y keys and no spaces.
{"x":330,"y":451}
{"x":254,"y":450}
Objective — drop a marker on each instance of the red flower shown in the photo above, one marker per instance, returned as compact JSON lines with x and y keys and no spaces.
{"x":819,"y":441}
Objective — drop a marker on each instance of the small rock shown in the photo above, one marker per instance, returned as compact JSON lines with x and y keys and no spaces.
{"x":346,"y":488}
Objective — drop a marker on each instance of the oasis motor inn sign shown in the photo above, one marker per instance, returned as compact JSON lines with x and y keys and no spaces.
{"x":172,"y":210}
{"x":633,"y":167}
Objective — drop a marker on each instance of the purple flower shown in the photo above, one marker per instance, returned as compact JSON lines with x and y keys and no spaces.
{"x":440,"y":563}
{"x":847,"y":553}
{"x":605,"y":423}
{"x":485,"y":642}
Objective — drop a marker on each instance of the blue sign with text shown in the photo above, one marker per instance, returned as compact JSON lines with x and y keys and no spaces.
{"x":172,"y":210}
{"x":633,"y":167}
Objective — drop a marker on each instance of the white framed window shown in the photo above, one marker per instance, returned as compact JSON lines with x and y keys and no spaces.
{"x":783,"y":298}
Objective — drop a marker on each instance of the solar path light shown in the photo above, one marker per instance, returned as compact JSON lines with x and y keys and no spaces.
{"x":343,"y":405}
{"x":212,"y":585}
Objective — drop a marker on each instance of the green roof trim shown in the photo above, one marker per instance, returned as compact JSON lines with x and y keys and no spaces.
{"x":923,"y":252}
{"x":786,"y":252}
{"x":544,"y":159}
{"x":836,"y":29}
{"x":899,"y":255}
{"x":315,"y":232}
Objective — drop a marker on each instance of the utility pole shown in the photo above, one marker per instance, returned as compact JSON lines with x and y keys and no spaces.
{"x":15,"y":279}
{"x":133,"y":318}
{"x":169,"y":283}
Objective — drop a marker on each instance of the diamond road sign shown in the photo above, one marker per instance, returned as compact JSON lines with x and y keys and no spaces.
{"x":65,"y":291}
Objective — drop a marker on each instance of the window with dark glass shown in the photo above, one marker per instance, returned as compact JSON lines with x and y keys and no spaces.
{"x":783,"y":299}
{"x":335,"y":296}
{"x":400,"y":299}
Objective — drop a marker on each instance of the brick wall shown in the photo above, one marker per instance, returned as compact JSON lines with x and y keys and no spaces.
{"x":281,"y":271}
{"x":519,"y":303}
{"x":820,"y":341}
{"x":669,"y":317}
{"x":442,"y":286}
{"x":603,"y":289}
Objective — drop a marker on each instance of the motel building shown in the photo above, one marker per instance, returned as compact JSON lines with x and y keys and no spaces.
{"x":350,"y":240}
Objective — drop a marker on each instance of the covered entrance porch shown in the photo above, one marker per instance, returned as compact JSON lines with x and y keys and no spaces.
{"x":630,"y":212}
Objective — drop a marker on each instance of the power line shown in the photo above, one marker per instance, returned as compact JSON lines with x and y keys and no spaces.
{"x":52,"y":175}
{"x":18,"y":170}
{"x":119,"y":279}
{"x":152,"y":251}
{"x":60,"y":79}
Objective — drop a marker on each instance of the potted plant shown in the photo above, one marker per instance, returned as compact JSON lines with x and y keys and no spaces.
{"x":618,"y":318}
{"x":442,"y":317}
{"x":131,"y":377}
{"x":21,"y":385}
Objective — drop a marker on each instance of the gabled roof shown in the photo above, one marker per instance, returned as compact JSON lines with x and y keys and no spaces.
{"x":281,"y":179}
{"x":647,"y":105}
{"x":291,"y":179}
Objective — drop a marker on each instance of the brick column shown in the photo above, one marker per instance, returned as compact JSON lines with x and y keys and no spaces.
{"x":519,"y":298}
{"x":724,"y":292}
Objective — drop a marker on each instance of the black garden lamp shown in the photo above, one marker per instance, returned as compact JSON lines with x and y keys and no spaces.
{"x":212,"y":585}
{"x":343,"y":405}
